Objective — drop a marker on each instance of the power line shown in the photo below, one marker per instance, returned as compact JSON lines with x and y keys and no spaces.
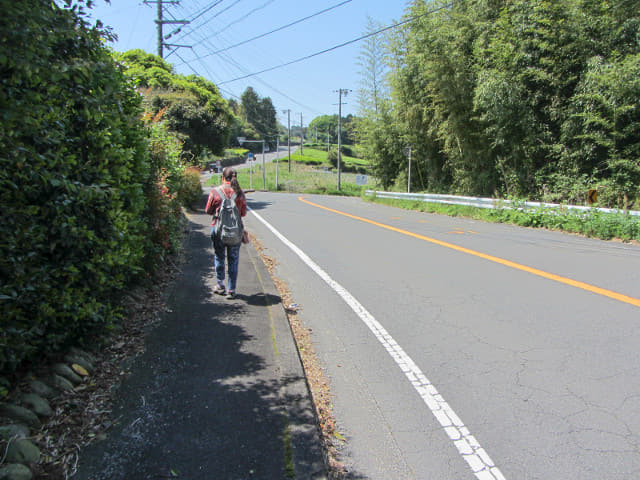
{"x":233,"y":62}
{"x":227,"y":59}
{"x":307,"y":57}
{"x":238,"y":20}
{"x":276,"y":30}
{"x":206,"y":9}
{"x":193,"y":30}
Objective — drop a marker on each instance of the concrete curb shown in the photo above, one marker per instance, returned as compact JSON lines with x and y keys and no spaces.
{"x":308,"y":453}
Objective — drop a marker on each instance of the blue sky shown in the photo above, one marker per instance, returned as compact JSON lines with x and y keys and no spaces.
{"x":308,"y":87}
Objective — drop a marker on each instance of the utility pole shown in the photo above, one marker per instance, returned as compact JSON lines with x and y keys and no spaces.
{"x":342,"y":91}
{"x":277,"y":158}
{"x":159,"y":25}
{"x":160,"y":22}
{"x":301,"y":135}
{"x":409,"y":173}
{"x":288,"y":112}
{"x":264,"y":170}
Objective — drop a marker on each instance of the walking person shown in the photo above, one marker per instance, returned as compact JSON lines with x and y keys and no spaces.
{"x":230,"y":189}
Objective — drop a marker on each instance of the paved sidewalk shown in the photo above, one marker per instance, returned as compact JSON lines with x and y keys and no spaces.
{"x":219,"y":392}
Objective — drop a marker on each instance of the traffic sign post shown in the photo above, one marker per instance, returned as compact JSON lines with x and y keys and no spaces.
{"x":277,"y":158}
{"x":242,"y":140}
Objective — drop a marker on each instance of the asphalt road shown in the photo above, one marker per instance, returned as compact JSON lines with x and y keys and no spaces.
{"x":457,"y":349}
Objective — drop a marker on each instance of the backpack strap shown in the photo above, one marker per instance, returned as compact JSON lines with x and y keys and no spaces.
{"x":222,"y":196}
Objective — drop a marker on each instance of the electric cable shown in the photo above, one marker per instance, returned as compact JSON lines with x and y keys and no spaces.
{"x":237,"y":65}
{"x":336,"y":47}
{"x":194,"y":29}
{"x":206,"y":9}
{"x":295,"y":22}
{"x":238,"y":20}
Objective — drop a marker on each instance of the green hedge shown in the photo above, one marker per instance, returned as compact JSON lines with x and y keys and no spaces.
{"x":73,"y":167}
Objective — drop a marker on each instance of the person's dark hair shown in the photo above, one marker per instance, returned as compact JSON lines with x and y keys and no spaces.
{"x":230,"y":175}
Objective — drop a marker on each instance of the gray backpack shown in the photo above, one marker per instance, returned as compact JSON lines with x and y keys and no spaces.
{"x":228,"y":222}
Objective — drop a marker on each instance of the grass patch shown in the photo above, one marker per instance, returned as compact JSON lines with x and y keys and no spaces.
{"x":288,"y":449}
{"x":303,"y":178}
{"x":314,"y":156}
{"x":236,"y":151}
{"x":592,"y":223}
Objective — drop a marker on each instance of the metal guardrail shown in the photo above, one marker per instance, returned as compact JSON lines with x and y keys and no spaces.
{"x":480,"y":202}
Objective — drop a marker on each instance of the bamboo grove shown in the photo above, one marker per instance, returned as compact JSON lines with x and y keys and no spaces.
{"x":510,"y":98}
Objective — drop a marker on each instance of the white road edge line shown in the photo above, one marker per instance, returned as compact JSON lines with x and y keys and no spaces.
{"x":470,"y":449}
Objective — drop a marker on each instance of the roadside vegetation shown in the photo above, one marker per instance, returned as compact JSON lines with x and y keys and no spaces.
{"x":95,"y":175}
{"x":592,"y":223}
{"x":518,"y":99}
{"x":526,"y":99}
{"x":313,"y":173}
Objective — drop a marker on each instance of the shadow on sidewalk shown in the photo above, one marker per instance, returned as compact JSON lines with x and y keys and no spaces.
{"x":205,"y":400}
{"x":260,"y":299}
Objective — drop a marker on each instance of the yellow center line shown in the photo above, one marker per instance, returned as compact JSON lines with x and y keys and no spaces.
{"x":534,"y":271}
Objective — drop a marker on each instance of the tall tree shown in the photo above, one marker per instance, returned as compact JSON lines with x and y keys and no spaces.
{"x":384,"y":143}
{"x":192,"y":105}
{"x":326,"y":124}
{"x":433,"y":89}
{"x":533,"y":63}
{"x":530,"y":98}
{"x":268,"y":124}
{"x":260,"y":114}
{"x":373,"y":62}
{"x":603,"y":134}
{"x":250,"y":102}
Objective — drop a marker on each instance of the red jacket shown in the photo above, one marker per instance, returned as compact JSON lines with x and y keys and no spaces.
{"x":214,"y":201}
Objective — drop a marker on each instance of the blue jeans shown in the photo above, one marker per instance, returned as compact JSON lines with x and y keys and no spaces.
{"x":232,"y":255}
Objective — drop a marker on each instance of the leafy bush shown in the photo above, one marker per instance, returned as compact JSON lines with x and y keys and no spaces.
{"x":348,"y":151}
{"x":73,"y":170}
{"x":333,"y":157}
{"x":190,"y":192}
{"x":591,"y":223}
{"x":165,"y":214}
{"x":347,"y":162}
{"x":163,"y":190}
{"x":192,"y":106}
